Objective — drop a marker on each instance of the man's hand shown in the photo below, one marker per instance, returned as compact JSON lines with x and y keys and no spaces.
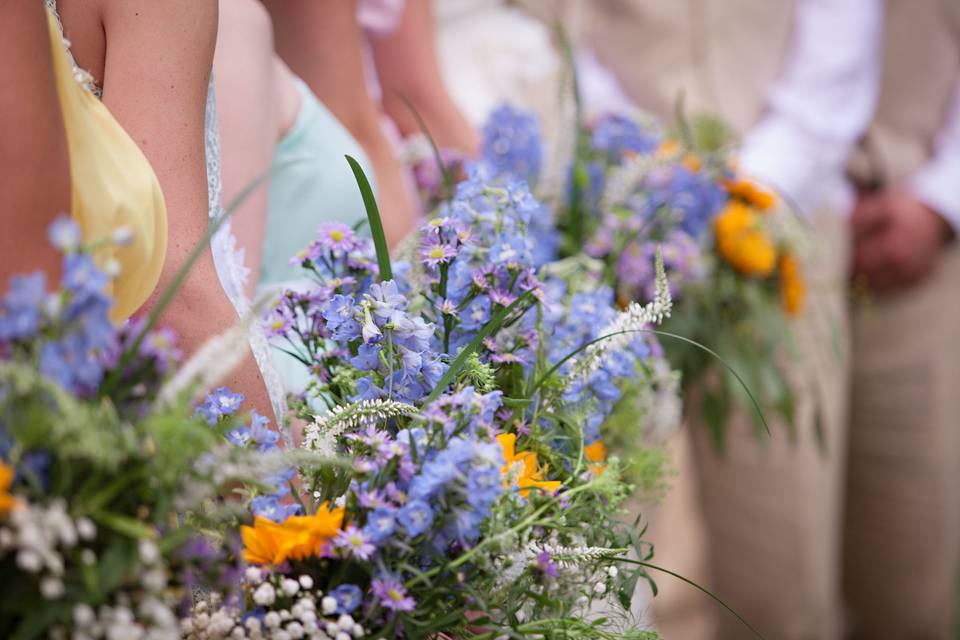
{"x":896,"y":240}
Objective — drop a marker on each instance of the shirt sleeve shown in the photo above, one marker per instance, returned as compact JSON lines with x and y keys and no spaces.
{"x":822,"y":103}
{"x":937,"y":183}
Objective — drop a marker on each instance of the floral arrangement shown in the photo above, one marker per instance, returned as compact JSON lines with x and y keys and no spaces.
{"x":728,"y":248}
{"x":109,"y":482}
{"x":461,"y":403}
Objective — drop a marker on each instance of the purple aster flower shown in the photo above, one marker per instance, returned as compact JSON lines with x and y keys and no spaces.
{"x":355,"y":542}
{"x":391,"y":594}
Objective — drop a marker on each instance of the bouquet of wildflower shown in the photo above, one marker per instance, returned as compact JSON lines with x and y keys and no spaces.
{"x":730,"y":260}
{"x":463,"y":403}
{"x":107,"y":479}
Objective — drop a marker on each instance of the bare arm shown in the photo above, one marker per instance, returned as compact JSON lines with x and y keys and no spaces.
{"x":155,"y":78}
{"x":35,"y":183}
{"x":244,"y":70}
{"x":323,"y":44}
{"x":407,"y":64}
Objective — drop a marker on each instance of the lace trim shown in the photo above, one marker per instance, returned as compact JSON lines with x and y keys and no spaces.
{"x":229,"y":262}
{"x":83,"y":77}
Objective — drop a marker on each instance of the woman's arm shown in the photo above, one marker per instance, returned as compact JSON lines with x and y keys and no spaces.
{"x":246,"y":90}
{"x":158,"y":60}
{"x":323,"y":44}
{"x":34,"y":166}
{"x":406,"y":62}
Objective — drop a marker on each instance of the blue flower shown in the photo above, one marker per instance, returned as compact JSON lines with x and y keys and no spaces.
{"x":483,"y":487}
{"x":380,"y":524}
{"x":340,"y":315}
{"x":511,"y":143}
{"x":366,"y":390}
{"x":81,"y":274}
{"x":64,"y":234}
{"x":20,"y":308}
{"x":239,"y":436}
{"x":271,"y":508}
{"x":416,"y":516}
{"x":616,"y":135}
{"x":367,"y":358}
{"x":386,"y":299}
{"x":219,"y":404}
{"x":348,"y":597}
{"x":261,"y":433}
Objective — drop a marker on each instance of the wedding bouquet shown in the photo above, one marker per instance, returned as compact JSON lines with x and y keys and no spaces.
{"x":467,"y":489}
{"x":109,"y":481}
{"x":728,"y":247}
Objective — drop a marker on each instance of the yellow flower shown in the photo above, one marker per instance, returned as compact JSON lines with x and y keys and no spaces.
{"x":597,"y":454}
{"x":262,"y":542}
{"x":530,"y":473}
{"x":296,"y":538}
{"x":793,"y":289}
{"x":668,"y":148}
{"x":751,"y":193}
{"x":7,"y":501}
{"x":743,"y":242}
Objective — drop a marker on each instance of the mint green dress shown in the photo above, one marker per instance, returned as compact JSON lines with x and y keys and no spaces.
{"x":311,"y":184}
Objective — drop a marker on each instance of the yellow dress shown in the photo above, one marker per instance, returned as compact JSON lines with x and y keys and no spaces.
{"x":113,"y":186}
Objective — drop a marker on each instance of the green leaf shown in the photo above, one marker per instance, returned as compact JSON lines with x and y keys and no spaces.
{"x":373,"y":216}
{"x":458,"y":363}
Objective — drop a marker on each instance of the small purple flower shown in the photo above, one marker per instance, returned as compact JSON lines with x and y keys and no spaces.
{"x":261,"y":433}
{"x":391,"y":594}
{"x":546,"y":565}
{"x":355,"y":542}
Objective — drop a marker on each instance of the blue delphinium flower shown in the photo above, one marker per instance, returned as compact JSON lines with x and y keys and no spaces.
{"x":271,"y":508}
{"x":381,"y":523}
{"x":20,"y":308}
{"x":221,"y":403}
{"x":348,"y":597}
{"x":512,"y":143}
{"x":415,"y":516}
{"x":617,"y":135}
{"x":261,"y":433}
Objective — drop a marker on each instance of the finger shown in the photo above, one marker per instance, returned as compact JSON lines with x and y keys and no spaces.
{"x":870,"y":256}
{"x":869,"y":217}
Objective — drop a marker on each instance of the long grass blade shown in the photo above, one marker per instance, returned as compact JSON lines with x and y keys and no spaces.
{"x":373,"y":217}
{"x":550,"y":372}
{"x":444,"y":170}
{"x":693,"y":584}
{"x":458,"y":363}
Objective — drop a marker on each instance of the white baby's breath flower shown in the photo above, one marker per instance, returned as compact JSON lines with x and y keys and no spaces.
{"x":272,"y":620}
{"x":149,"y":552}
{"x":51,"y":588}
{"x":29,"y":560}
{"x":265,"y":595}
{"x":329,"y":605}
{"x":306,"y":582}
{"x":295,"y":629}
{"x":86,"y":529}
{"x":122,"y":235}
{"x":289,"y":586}
{"x":252,"y":575}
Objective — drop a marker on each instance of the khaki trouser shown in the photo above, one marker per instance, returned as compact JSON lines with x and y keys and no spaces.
{"x":791,"y":533}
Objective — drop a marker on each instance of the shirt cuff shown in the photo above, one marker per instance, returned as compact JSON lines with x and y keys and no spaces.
{"x":937,"y":185}
{"x":807,"y":173}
